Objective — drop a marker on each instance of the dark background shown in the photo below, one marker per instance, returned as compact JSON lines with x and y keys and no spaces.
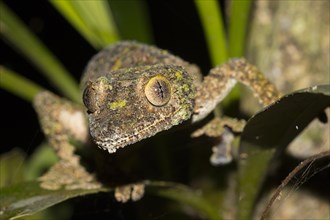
{"x":175,"y":26}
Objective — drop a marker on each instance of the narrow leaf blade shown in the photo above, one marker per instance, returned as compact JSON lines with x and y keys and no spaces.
{"x":28,"y":198}
{"x":18,"y":85}
{"x":238,"y":27}
{"x":211,"y":18}
{"x":26,"y":42}
{"x":132,"y":20}
{"x":72,"y":15}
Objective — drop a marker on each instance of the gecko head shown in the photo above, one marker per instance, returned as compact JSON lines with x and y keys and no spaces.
{"x":128,"y":105}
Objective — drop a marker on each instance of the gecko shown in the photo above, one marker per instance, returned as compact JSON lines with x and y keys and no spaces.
{"x":132,"y":91}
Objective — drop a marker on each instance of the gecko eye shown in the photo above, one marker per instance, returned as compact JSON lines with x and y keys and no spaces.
{"x":158,"y":91}
{"x":95,"y":94}
{"x":89,"y":98}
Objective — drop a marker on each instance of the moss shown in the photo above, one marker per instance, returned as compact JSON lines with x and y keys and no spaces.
{"x":117,"y":105}
{"x":185,"y":88}
{"x":117,"y":64}
{"x":179,"y":75}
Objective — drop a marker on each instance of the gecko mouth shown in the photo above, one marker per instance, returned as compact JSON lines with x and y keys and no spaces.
{"x":111,"y":144}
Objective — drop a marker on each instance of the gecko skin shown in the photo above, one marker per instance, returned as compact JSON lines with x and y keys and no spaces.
{"x":133,"y":91}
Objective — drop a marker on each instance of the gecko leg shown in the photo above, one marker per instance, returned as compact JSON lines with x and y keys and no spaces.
{"x":62,"y":121}
{"x":221,"y":79}
{"x":214,"y":89}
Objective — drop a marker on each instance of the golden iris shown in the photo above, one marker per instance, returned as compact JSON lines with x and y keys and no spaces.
{"x":158,"y":91}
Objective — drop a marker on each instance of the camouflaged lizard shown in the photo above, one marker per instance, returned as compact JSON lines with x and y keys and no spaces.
{"x":132,"y":91}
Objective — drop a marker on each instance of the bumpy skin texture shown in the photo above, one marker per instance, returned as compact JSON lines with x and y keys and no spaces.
{"x":133,"y":91}
{"x":115,"y":84}
{"x":127,"y":54}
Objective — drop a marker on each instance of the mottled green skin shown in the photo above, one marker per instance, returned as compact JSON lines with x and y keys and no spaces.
{"x":119,"y":111}
{"x":126,"y":54}
{"x":121,"y":114}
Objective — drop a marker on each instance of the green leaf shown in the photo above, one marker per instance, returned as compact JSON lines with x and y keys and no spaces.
{"x":93,"y":19}
{"x":18,"y":85}
{"x":238,"y":23}
{"x":239,"y":14}
{"x":211,"y":18}
{"x":72,"y":16}
{"x":132,"y":20}
{"x":41,"y":159}
{"x":28,"y":198}
{"x":185,"y":196}
{"x":26,"y":42}
{"x":269,"y":132}
{"x":11,"y":167}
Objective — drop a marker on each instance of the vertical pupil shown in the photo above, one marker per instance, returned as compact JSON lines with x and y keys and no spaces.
{"x":160,"y":90}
